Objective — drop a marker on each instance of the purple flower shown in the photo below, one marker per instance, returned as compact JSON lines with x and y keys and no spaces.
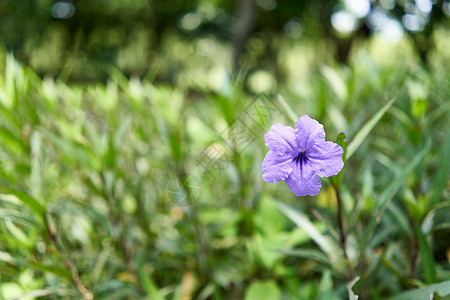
{"x":298,"y":155}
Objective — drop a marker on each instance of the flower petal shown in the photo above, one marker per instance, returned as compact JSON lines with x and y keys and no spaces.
{"x":276,"y":167}
{"x":303,"y":180}
{"x":308,"y":132}
{"x":326,"y":158}
{"x":281,"y":139}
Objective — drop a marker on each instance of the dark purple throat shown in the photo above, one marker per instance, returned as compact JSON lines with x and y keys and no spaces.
{"x":301,"y":158}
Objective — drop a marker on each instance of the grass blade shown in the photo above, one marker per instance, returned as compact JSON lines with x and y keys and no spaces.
{"x":307,"y":254}
{"x":367,"y":128}
{"x":350,"y":285}
{"x":385,"y":198}
{"x":42,"y":293}
{"x":337,"y":179}
{"x":426,"y":256}
{"x":442,"y":288}
{"x":440,"y":179}
{"x":326,"y":244}
{"x":26,"y":199}
{"x":287,"y":109}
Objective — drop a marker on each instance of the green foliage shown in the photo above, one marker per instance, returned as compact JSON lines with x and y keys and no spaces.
{"x":365,"y":130}
{"x":80,"y":40}
{"x":339,"y":178}
{"x":267,"y":290}
{"x":134,"y":190}
{"x":438,"y":289}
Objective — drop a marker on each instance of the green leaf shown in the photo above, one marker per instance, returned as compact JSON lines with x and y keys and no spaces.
{"x":325,"y":243}
{"x":175,"y":145}
{"x":11,"y":290}
{"x":287,"y":109}
{"x":73,"y":151}
{"x":58,"y":271}
{"x":442,"y":288}
{"x":7,"y":257}
{"x":23,"y":239}
{"x":20,"y":217}
{"x":36,"y":180}
{"x":426,"y":256}
{"x":110,"y":154}
{"x":26,"y":199}
{"x":38,"y":293}
{"x":326,"y":286}
{"x":336,"y":82}
{"x":440,"y":179}
{"x":148,"y":284}
{"x":400,"y":218}
{"x":385,"y":198}
{"x":117,"y":76}
{"x":367,"y":128}
{"x":308,"y":254}
{"x":437,"y":218}
{"x":397,"y":271}
{"x":226,"y":108}
{"x":337,"y":179}
{"x":350,"y":285}
{"x":263,"y":290}
{"x":11,"y":141}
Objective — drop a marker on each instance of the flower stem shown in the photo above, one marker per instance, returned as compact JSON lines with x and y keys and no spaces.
{"x":340,"y":223}
{"x":349,"y":275}
{"x":70,"y":266}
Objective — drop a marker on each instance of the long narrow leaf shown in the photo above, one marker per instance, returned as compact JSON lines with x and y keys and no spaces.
{"x":26,"y":199}
{"x":440,"y":179}
{"x":350,"y":285}
{"x":308,"y":254}
{"x":149,"y":285}
{"x":42,"y":292}
{"x":442,"y":288}
{"x":426,"y":257}
{"x":57,"y":270}
{"x":326,"y":244}
{"x":287,"y":108}
{"x":366,"y":129}
{"x":385,"y":198}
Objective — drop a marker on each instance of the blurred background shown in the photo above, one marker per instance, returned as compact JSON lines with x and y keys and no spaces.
{"x":132,"y":137}
{"x":80,"y":40}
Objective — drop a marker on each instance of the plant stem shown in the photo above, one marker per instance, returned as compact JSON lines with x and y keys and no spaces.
{"x":121,"y":224}
{"x":85,"y":293}
{"x":349,"y":276}
{"x":200,"y":234}
{"x":340,"y":223}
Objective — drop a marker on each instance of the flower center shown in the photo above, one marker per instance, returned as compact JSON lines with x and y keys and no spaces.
{"x":301,"y":158}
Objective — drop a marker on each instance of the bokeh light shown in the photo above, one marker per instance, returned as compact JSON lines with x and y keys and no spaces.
{"x":190,"y":21}
{"x":424,"y":6}
{"x":63,"y":10}
{"x":360,"y":8}
{"x":267,"y":4}
{"x":446,"y":8}
{"x":344,"y":21}
{"x":293,"y":28}
{"x":411,"y":22}
{"x":387,"y":4}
